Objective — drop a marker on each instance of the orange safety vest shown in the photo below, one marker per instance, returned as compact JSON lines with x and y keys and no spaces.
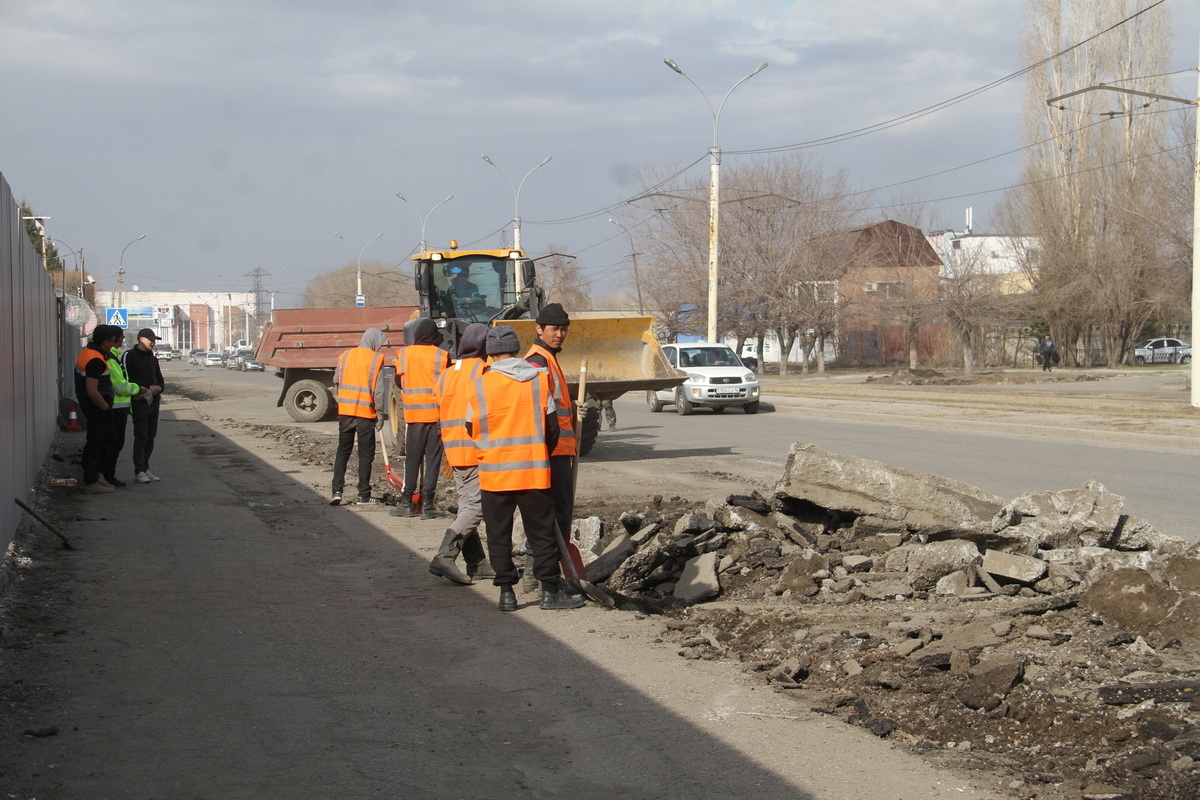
{"x":454,"y":390}
{"x":567,"y":445}
{"x":357,"y":376}
{"x":418,"y":367}
{"x":86,"y":355}
{"x":508,"y":421}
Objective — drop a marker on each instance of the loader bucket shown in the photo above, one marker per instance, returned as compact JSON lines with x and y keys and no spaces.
{"x":622,"y":355}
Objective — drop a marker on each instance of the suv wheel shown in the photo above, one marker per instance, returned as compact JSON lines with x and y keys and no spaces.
{"x":653,"y":401}
{"x":751,"y":408}
{"x":683,"y":406}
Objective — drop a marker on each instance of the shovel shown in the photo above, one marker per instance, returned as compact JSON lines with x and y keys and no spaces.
{"x":572,"y":561}
{"x":392,"y":478}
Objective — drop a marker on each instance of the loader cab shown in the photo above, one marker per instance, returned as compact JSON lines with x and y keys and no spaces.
{"x":473,"y":285}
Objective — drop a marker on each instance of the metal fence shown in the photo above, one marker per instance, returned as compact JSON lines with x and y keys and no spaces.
{"x":31,"y":368}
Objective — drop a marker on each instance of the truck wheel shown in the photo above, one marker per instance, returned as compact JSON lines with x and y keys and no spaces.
{"x":308,"y":401}
{"x":653,"y":401}
{"x":751,"y":408}
{"x":683,"y":406}
{"x":589,"y":429}
{"x":394,"y":430}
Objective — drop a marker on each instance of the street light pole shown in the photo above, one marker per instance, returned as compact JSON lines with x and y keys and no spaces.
{"x":425,"y":218}
{"x":121,"y":272}
{"x":714,"y":190}
{"x":1195,"y":323}
{"x":637,"y":279}
{"x":517,"y":195}
{"x":358,"y":265}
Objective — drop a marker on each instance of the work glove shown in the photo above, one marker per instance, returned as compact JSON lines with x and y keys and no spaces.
{"x":379,"y":420}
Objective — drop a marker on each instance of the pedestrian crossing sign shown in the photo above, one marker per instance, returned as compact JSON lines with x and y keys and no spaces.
{"x":118,"y":317}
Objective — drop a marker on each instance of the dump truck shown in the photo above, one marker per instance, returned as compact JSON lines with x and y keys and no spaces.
{"x":302,"y":345}
{"x":458,"y":287}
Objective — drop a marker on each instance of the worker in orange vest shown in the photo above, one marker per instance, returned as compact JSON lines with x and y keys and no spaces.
{"x":94,"y":392}
{"x":360,"y":396}
{"x":513,"y":420}
{"x":552,"y":324}
{"x":453,"y":392}
{"x":419,"y":364}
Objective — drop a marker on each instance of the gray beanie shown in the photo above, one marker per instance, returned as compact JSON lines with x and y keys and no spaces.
{"x":502,"y":339}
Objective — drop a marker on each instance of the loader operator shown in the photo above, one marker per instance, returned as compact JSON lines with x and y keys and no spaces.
{"x":360,"y":402}
{"x":512,"y":418}
{"x":551,"y":324}
{"x":452,"y":394}
{"x":418,"y":367}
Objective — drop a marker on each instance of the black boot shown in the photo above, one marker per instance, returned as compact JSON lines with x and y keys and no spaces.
{"x":473,"y":553}
{"x":555,"y":597}
{"x":508,"y":599}
{"x":443,"y":564}
{"x":404,"y":507}
{"x":430,"y":511}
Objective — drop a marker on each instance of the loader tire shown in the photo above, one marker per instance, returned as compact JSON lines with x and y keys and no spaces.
{"x":589,"y":429}
{"x":309,"y":401}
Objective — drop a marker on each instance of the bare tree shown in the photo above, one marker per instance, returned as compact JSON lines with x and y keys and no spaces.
{"x":1089,"y":195}
{"x":562,"y":277}
{"x":384,"y":285}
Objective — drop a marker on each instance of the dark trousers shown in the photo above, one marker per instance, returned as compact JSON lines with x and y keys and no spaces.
{"x":349,"y":429}
{"x":422,"y":442}
{"x":537,"y":515}
{"x":562,"y":489}
{"x":100,"y":434}
{"x":120,"y":417}
{"x":145,"y":428}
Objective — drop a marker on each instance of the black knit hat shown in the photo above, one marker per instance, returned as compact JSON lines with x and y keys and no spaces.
{"x":553,"y":314}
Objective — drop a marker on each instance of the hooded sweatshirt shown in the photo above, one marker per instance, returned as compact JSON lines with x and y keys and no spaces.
{"x":520,"y":370}
{"x":372,"y":340}
{"x":453,"y":392}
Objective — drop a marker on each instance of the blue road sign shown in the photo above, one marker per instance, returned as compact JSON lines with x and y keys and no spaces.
{"x":118,"y":317}
{"x":360,"y":300}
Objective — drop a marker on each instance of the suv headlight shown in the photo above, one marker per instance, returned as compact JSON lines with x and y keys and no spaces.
{"x":696,"y":378}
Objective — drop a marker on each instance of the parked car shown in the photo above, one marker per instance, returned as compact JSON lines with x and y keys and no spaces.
{"x":1162,"y":351}
{"x":197,"y":357}
{"x":717,"y":379}
{"x":232,"y":361}
{"x":250,"y":365}
{"x":176,"y":354}
{"x":212,"y":359}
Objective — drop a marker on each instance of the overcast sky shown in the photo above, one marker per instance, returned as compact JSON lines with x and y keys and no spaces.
{"x":238,"y":134}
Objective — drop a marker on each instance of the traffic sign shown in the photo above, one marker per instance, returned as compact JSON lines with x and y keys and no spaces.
{"x":118,"y":317}
{"x":360,"y":300}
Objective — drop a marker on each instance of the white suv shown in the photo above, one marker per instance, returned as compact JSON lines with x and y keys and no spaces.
{"x":716,"y":379}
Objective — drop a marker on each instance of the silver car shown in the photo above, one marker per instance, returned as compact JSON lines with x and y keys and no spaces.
{"x":1162,"y":350}
{"x":717,"y":379}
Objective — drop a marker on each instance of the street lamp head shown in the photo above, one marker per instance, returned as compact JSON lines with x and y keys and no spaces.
{"x":670,"y":62}
{"x":485,"y":158}
{"x":545,"y":161}
{"x":759,"y":69}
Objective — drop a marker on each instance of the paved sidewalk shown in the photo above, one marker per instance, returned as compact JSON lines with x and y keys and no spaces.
{"x":230,"y":635}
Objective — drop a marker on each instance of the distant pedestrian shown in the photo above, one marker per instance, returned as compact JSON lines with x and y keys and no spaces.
{"x":141,"y":367}
{"x":361,"y":387}
{"x":125,"y":393}
{"x":418,"y":367}
{"x":513,"y":420}
{"x":1048,"y":353}
{"x":94,"y":392}
{"x":610,"y":413}
{"x":454,"y":388}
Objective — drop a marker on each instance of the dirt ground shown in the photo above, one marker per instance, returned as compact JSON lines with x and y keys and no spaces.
{"x":903,"y":671}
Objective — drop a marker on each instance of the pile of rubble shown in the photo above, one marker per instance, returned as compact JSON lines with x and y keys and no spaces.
{"x":1051,"y":636}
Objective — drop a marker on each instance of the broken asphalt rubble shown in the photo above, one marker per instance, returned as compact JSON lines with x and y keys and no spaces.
{"x":1052,"y":636}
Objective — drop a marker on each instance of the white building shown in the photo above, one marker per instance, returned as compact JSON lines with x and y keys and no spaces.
{"x":186,"y":320}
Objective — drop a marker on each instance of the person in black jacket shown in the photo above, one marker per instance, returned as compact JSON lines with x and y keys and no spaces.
{"x":141,"y":367}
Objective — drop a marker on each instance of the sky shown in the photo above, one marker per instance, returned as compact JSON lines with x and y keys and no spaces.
{"x":242,"y":135}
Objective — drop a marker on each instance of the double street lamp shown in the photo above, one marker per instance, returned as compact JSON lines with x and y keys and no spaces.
{"x":517,"y":195}
{"x":121,"y":272}
{"x":714,"y":190}
{"x":425,"y":218}
{"x":359,"y":298}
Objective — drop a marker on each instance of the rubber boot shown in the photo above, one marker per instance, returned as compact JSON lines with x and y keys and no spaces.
{"x":476,"y":558}
{"x":443,"y":564}
{"x":508,"y":599}
{"x":555,"y":597}
{"x":404,"y":507}
{"x":430,"y":511}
